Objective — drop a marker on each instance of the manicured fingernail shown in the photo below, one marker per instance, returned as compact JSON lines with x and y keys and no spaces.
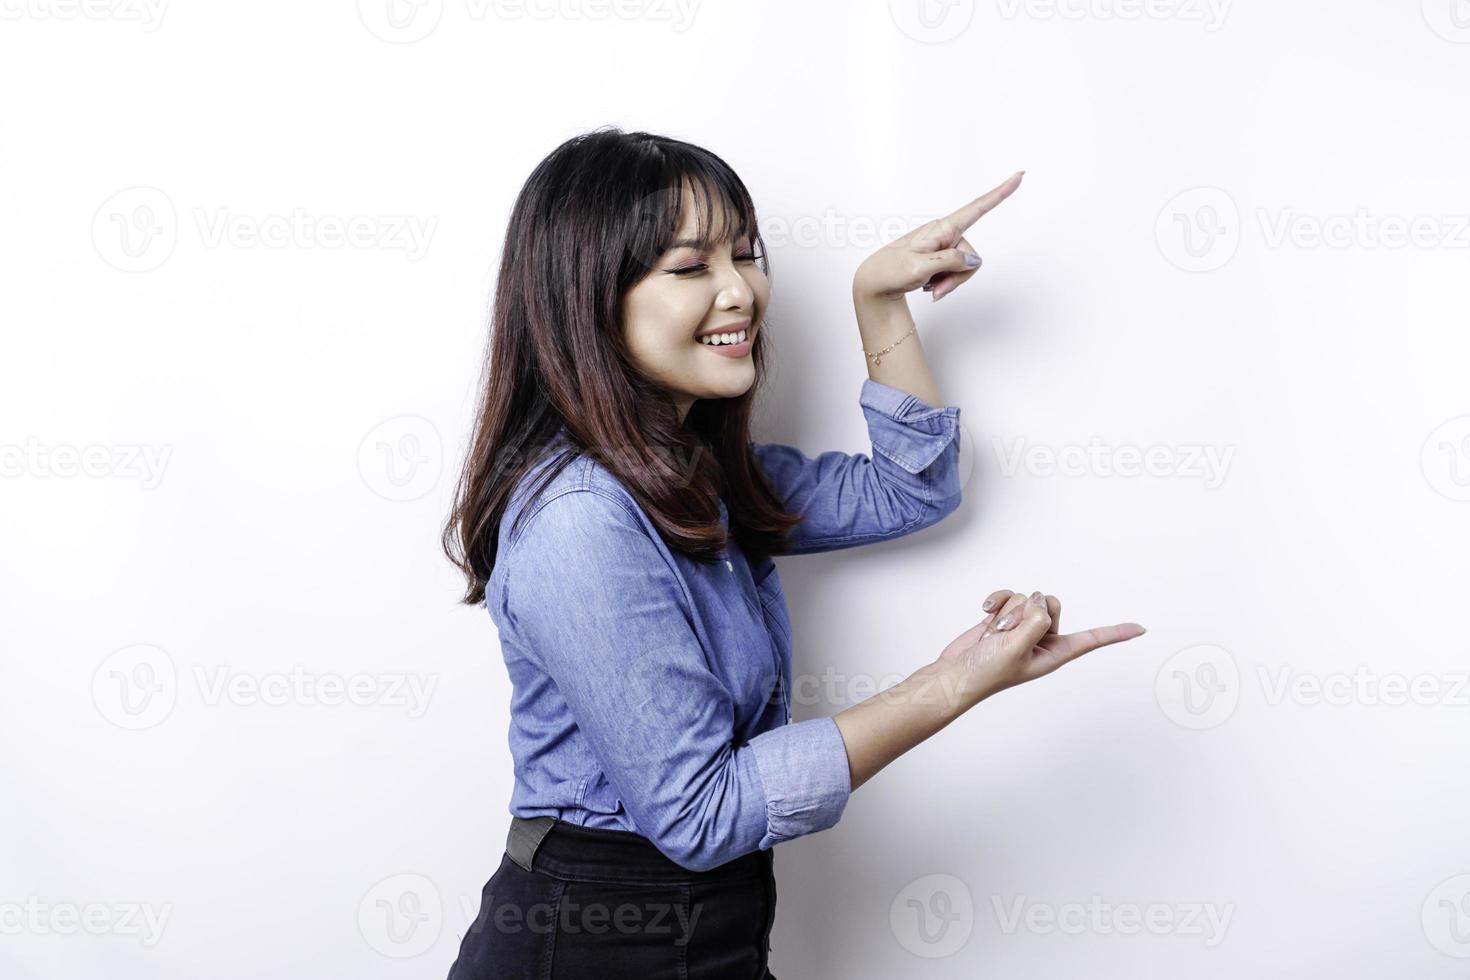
{"x":971,"y":261}
{"x":1006,"y":621}
{"x":1037,"y":597}
{"x":988,"y":604}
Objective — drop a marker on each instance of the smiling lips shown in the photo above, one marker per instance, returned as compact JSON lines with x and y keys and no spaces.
{"x":736,"y":344}
{"x":730,"y":338}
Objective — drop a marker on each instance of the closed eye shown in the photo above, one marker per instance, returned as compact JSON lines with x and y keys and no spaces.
{"x":698,"y":267}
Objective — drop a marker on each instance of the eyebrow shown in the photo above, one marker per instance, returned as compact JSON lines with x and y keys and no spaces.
{"x":692,"y":243}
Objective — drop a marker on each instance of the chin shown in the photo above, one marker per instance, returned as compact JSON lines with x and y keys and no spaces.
{"x":728,"y":390}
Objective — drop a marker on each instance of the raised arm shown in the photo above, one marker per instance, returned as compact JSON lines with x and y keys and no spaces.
{"x":935,"y":257}
{"x":910,"y":481}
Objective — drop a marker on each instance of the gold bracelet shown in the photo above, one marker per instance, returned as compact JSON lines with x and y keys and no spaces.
{"x":878,"y":356}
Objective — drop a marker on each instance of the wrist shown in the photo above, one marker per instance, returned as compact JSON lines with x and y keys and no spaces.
{"x":882,"y":319}
{"x":956,"y":686}
{"x":865,"y":298}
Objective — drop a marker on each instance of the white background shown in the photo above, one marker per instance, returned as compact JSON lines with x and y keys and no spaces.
{"x":1207,"y":255}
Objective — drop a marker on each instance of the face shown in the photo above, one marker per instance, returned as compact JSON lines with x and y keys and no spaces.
{"x":689,"y":292}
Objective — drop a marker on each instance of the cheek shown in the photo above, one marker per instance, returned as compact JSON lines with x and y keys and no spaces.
{"x":658,"y":319}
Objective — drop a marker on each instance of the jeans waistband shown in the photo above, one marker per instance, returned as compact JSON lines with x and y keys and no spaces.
{"x":565,"y":850}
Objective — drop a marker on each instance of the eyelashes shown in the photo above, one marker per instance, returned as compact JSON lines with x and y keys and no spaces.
{"x":698,"y":267}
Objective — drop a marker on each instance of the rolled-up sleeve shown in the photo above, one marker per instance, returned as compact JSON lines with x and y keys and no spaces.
{"x":805,"y":776}
{"x":910,"y":481}
{"x":595,"y":602}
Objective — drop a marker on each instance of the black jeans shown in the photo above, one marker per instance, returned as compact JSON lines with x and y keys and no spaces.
{"x":609,"y":904}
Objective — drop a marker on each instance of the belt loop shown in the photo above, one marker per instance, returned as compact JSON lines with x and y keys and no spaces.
{"x":525,"y":837}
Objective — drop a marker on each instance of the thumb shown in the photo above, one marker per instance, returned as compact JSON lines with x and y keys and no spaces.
{"x":951,"y":260}
{"x":1035,"y":621}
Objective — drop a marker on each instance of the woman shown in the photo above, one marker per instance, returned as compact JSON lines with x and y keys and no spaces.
{"x":619,"y":525}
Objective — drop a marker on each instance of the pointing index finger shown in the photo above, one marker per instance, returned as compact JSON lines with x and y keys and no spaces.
{"x":1074,"y":645}
{"x":959,"y":221}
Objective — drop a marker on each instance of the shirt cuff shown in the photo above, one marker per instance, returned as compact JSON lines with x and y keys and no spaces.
{"x":910,"y":432}
{"x":805,"y":776}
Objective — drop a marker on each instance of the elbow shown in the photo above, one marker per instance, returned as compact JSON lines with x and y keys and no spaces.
{"x":947,"y":490}
{"x":701,"y":844}
{"x":942,"y":490}
{"x":692,"y":856}
{"x":946,"y":505}
{"x":943,"y":500}
{"x":700,"y":862}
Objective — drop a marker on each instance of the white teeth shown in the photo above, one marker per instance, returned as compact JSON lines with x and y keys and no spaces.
{"x":723,"y":338}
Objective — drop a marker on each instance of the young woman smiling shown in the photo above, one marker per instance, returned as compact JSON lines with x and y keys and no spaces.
{"x":619,"y":525}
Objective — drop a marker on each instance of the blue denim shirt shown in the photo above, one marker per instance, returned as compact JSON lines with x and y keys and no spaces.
{"x":651,"y":693}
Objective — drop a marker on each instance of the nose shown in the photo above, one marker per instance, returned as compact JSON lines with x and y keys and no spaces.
{"x":735,"y":293}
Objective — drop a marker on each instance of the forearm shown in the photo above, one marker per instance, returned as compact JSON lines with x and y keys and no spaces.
{"x":881,"y":321}
{"x":896,"y":719}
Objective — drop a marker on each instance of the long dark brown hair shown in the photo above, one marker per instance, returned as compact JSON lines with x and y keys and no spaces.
{"x":587,"y":226}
